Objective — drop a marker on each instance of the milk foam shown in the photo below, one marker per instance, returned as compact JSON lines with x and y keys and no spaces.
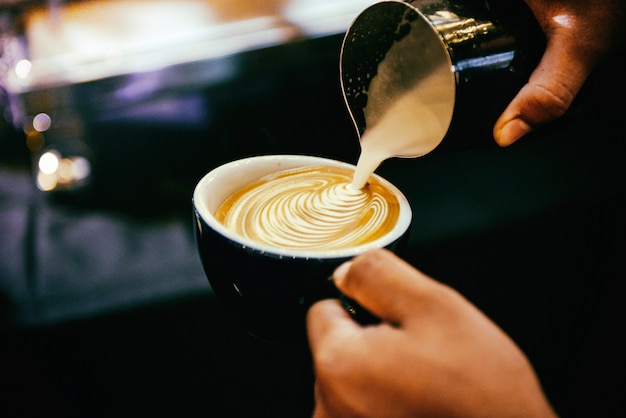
{"x":409,"y":105}
{"x":310,"y":208}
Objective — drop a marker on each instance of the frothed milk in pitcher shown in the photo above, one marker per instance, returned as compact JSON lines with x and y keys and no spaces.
{"x":410,"y":127}
{"x":414,"y":73}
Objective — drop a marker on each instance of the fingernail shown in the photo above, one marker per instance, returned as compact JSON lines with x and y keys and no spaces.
{"x":340,"y":272}
{"x":512,"y":131}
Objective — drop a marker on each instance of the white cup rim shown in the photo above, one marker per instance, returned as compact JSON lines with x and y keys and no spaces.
{"x":205,"y":202}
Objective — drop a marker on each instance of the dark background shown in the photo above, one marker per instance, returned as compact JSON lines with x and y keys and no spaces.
{"x":105,"y":310}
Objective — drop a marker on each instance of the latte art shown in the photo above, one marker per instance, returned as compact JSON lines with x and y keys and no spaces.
{"x":312,"y":208}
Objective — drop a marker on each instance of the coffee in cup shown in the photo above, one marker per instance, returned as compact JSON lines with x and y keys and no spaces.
{"x":310,"y":209}
{"x":272,"y":229}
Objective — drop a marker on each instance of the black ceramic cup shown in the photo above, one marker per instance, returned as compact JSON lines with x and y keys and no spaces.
{"x":269,"y":290}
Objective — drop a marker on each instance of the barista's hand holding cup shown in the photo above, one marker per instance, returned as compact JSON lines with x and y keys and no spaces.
{"x":272,"y":229}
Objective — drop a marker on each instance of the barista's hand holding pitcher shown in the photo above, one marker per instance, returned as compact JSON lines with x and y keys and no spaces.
{"x":579,"y":34}
{"x":434,"y":354}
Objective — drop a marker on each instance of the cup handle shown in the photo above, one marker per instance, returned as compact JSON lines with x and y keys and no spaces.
{"x":356,"y":311}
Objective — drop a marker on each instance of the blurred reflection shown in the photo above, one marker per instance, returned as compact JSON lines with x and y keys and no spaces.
{"x":96,"y":39}
{"x":56,"y":172}
{"x":237,"y":9}
{"x":22,"y":68}
{"x":42,"y":122}
{"x":87,"y":40}
{"x":145,"y":84}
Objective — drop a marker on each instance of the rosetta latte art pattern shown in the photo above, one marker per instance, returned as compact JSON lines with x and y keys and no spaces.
{"x":312,"y":208}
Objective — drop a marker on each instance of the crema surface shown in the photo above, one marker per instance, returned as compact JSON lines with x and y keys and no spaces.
{"x":311,"y":208}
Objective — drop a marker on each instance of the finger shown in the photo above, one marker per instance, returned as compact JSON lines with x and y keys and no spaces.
{"x":383,"y":284}
{"x":578,"y":37}
{"x":333,"y":336}
{"x":319,"y":411}
{"x":326,"y":320}
{"x":546,"y":97}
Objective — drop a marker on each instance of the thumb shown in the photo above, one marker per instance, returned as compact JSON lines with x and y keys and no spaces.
{"x":547,"y":96}
{"x":579,"y":35}
{"x":383,"y":284}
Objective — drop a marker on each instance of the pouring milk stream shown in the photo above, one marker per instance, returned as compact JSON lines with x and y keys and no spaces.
{"x":410,"y":127}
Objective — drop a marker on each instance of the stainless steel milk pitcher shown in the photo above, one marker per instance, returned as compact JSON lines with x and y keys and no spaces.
{"x":463,"y":59}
